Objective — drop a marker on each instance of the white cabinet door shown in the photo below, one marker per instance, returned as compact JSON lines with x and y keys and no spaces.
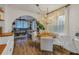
{"x":46,"y":44}
{"x":3,"y":40}
{"x":1,"y":23}
{"x":10,"y":46}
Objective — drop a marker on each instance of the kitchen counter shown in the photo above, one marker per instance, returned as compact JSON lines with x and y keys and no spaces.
{"x":2,"y":47}
{"x":6,"y":43}
{"x":6,"y":34}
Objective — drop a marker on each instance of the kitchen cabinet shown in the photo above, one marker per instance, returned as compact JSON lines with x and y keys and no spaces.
{"x":9,"y":40}
{"x":2,"y":25}
{"x":2,"y":47}
{"x":3,"y":40}
{"x":46,"y":43}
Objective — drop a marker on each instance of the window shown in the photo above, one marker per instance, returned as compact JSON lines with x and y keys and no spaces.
{"x":34,"y":25}
{"x":60,"y":24}
{"x":57,"y":25}
{"x":22,"y":24}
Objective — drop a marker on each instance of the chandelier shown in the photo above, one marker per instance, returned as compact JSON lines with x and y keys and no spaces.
{"x":44,"y":17}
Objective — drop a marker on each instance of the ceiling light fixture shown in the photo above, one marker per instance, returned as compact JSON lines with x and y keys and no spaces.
{"x":44,"y":16}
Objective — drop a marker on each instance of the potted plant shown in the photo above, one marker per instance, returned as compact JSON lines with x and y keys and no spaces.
{"x":39,"y":27}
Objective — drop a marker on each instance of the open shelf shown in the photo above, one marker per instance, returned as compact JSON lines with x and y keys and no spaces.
{"x":1,"y":20}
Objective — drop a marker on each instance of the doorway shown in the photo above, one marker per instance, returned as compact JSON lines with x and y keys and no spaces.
{"x":23,"y":27}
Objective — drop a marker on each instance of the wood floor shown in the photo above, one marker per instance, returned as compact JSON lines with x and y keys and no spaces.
{"x":33,"y":48}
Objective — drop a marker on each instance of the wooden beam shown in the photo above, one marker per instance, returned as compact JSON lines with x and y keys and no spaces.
{"x":59,"y":8}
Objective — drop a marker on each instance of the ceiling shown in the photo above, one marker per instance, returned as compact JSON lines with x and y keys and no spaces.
{"x":34,"y":8}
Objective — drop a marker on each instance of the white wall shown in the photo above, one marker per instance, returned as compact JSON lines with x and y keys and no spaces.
{"x":12,"y":13}
{"x":74,"y":19}
{"x":73,"y":26}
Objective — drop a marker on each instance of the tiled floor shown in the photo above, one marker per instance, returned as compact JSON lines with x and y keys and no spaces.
{"x":32,"y":48}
